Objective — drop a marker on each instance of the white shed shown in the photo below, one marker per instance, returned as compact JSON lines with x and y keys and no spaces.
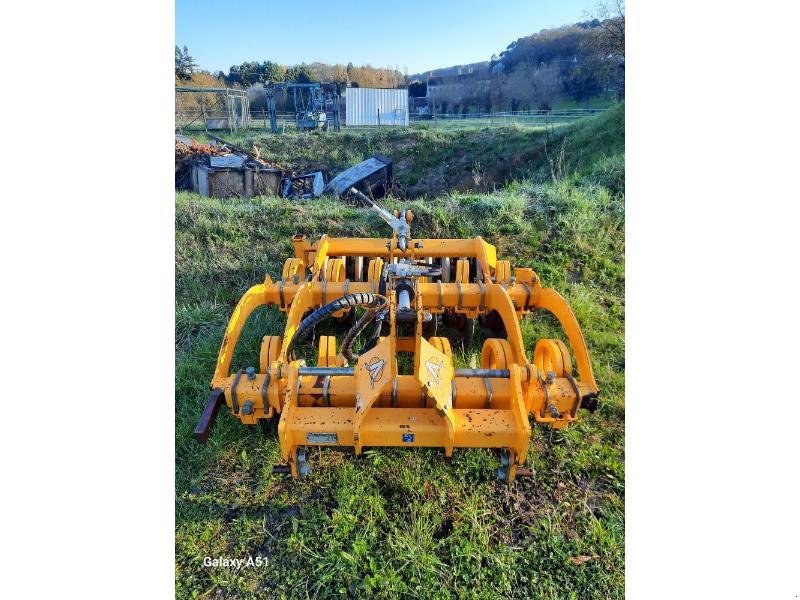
{"x":371,"y":106}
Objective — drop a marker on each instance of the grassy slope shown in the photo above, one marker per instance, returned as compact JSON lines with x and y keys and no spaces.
{"x":398,"y":522}
{"x":594,"y":102}
{"x":432,"y":161}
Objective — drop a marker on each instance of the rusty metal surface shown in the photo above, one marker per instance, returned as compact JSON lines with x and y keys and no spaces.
{"x":203,"y":429}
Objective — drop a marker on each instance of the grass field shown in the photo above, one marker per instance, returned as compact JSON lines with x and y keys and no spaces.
{"x":285,"y":123}
{"x":398,"y":523}
{"x":431,"y":162}
{"x":594,"y":102}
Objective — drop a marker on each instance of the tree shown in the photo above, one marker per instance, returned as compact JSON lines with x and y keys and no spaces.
{"x":585,"y":81}
{"x":184,"y":63}
{"x":299,"y":74}
{"x":273,"y":72}
{"x":608,"y":36}
{"x":607,"y":43}
{"x":339,"y":74}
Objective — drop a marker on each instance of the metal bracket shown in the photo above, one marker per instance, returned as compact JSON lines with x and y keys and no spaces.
{"x":544,"y":385}
{"x":203,"y":429}
{"x":280,"y":294}
{"x":488,"y":385}
{"x":234,"y":399}
{"x":264,"y":387}
{"x":325,"y":387}
{"x":527,"y":295}
{"x":577,"y":393}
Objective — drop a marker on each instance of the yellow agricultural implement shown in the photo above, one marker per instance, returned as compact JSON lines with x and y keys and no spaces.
{"x":370,"y":398}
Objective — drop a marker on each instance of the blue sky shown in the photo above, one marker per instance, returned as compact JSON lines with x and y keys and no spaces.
{"x":411,"y":34}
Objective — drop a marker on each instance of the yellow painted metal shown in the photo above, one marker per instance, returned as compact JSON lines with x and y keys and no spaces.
{"x":470,"y":392}
{"x":270,"y":349}
{"x":552,"y":356}
{"x":327,"y":351}
{"x":294,"y":269}
{"x":436,"y":378}
{"x":442,"y":344}
{"x":551,"y":300}
{"x":462,"y":271}
{"x":321,"y":254}
{"x":252,"y":299}
{"x":495,"y":354}
{"x":334,"y":271}
{"x":374,"y":274}
{"x":377,"y":406}
{"x":503,"y":272}
{"x":523,"y":299}
{"x":374,"y":372}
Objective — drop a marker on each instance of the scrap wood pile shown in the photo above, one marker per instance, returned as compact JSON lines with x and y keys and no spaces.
{"x":184,"y":151}
{"x":190,"y":153}
{"x":197,"y":164}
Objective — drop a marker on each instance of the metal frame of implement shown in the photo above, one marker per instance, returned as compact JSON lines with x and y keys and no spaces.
{"x":366,"y":402}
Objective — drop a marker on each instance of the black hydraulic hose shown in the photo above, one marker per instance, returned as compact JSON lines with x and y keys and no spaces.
{"x":373,"y":302}
{"x":350,"y":337}
{"x":373,"y":339}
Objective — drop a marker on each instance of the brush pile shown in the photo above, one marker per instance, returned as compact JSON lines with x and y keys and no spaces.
{"x":185,"y":151}
{"x":188,"y":151}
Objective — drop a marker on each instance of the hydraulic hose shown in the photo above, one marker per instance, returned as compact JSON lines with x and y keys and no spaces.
{"x":350,"y":337}
{"x":373,"y":302}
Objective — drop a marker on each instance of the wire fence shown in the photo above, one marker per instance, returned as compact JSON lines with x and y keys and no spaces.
{"x":531,"y":118}
{"x":193,"y":118}
{"x":211,"y":109}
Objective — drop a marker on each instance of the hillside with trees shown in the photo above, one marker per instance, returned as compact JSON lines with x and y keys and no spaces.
{"x":576,"y":62}
{"x":569,"y":64}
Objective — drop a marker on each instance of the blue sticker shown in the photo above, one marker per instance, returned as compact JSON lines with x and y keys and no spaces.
{"x":408,"y":437}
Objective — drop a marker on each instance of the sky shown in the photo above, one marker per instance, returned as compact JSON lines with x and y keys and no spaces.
{"x":412,"y":35}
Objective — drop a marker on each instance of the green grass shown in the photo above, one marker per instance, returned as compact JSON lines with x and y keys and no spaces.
{"x":399,"y":522}
{"x":594,"y":102}
{"x":430,"y":161}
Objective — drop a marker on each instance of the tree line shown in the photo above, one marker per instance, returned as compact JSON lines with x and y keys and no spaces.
{"x":579,"y":61}
{"x":249,"y":73}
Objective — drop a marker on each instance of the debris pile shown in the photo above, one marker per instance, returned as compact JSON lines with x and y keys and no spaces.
{"x":184,"y":151}
{"x":221,"y":170}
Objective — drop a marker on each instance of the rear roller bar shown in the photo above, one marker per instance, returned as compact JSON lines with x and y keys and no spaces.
{"x":326,"y":371}
{"x":349,"y":371}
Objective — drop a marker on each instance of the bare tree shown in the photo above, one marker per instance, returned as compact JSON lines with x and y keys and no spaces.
{"x":609,"y":37}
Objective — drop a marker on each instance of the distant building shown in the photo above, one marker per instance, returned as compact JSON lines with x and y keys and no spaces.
{"x":373,"y":106}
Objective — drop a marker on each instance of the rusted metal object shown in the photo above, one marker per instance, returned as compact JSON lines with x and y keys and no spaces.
{"x":209,"y":416}
{"x":372,"y":177}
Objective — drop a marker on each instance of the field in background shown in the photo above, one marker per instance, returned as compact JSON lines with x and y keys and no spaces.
{"x":567,"y":112}
{"x":397,"y":522}
{"x":429,"y":161}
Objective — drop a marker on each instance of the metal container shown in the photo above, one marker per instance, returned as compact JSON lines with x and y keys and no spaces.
{"x":371,"y":106}
{"x":242,"y":182}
